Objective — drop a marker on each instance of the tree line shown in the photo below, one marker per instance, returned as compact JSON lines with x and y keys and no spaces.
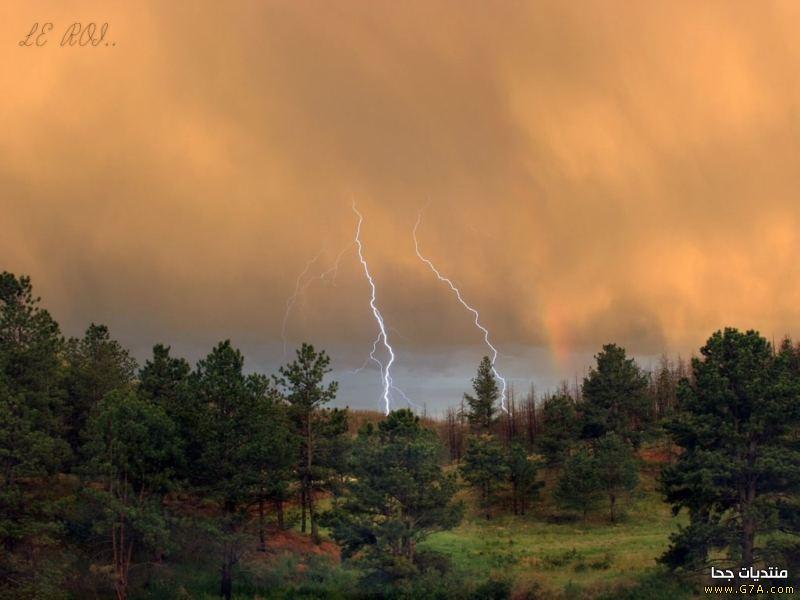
{"x":110,"y":463}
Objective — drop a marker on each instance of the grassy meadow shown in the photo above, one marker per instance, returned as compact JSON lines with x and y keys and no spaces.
{"x":532,"y":556}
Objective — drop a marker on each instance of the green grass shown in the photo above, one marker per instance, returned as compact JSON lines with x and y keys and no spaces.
{"x":550,"y":558}
{"x":562,"y":557}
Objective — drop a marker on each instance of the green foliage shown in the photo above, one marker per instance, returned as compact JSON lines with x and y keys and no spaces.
{"x":301,"y":383}
{"x":131,"y":442}
{"x":96,"y":366}
{"x":739,"y":472}
{"x":332,"y":449}
{"x":482,"y":409}
{"x":484,"y":467}
{"x":30,"y":349}
{"x":561,"y":428}
{"x":243,"y":436}
{"x":31,"y":447}
{"x":301,"y":380}
{"x":655,"y":585}
{"x":165,"y":381}
{"x":578,"y":488}
{"x":522,"y":472}
{"x":131,"y":445}
{"x":617,"y":469}
{"x":226,"y":443}
{"x":397,"y":495}
{"x":615,"y":397}
{"x":608,"y":468}
{"x":234,"y":412}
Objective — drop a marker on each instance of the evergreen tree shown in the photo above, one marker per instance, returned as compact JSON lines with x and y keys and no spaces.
{"x":131,"y":445}
{"x":31,"y":446}
{"x":236,"y":414}
{"x":301,"y":384}
{"x":560,"y":428}
{"x":165,"y":381}
{"x":482,"y":409}
{"x":485,"y":468}
{"x":398,"y":495}
{"x":277,"y":452}
{"x":738,"y":473}
{"x":96,"y":366}
{"x":617,"y":469}
{"x":579,"y":486}
{"x":333,"y":448}
{"x":615,"y":397}
{"x":522,"y":472}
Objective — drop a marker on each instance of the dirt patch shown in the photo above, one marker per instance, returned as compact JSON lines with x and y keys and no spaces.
{"x":292,"y":542}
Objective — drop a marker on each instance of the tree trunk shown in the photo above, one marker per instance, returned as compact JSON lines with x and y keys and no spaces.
{"x":279,"y":513}
{"x":748,"y":525}
{"x":313,"y":517}
{"x":262,"y":546}
{"x":310,"y":482}
{"x":514,"y":497}
{"x":748,"y":518}
{"x":303,"y":505}
{"x":122,"y":559}
{"x":613,"y":499}
{"x":226,"y":588}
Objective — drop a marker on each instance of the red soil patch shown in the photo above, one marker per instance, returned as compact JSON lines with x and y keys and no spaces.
{"x":292,"y":542}
{"x":654,"y":455}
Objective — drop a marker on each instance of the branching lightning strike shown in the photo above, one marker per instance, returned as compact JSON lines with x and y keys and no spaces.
{"x":293,"y":298}
{"x":382,"y":336}
{"x":374,"y":359}
{"x":474,"y":312}
{"x":301,"y":286}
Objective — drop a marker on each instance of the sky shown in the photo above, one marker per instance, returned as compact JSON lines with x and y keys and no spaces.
{"x":590,"y":172}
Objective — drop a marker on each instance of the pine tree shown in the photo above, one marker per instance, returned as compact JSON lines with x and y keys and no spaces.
{"x":277,"y":451}
{"x":96,"y":366}
{"x":301,"y":384}
{"x":398,"y":494}
{"x":617,"y":469}
{"x":236,"y":415}
{"x":578,"y":488}
{"x":165,"y":381}
{"x":32,"y":449}
{"x":737,"y":474}
{"x":560,"y":428}
{"x":522,"y":472}
{"x":484,"y":467}
{"x":482,"y":409}
{"x":132,"y":444}
{"x":615,"y":397}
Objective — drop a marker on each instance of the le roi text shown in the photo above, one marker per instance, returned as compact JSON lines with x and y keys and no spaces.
{"x":77,"y":34}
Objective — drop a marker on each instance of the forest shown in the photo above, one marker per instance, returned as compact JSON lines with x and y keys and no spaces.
{"x":171,"y":480}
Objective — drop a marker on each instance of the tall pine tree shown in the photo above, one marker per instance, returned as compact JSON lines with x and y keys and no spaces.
{"x":737,"y":475}
{"x":301,"y":382}
{"x":482,"y":409}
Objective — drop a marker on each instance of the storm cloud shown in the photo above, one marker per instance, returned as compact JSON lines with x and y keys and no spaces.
{"x":591,"y":172}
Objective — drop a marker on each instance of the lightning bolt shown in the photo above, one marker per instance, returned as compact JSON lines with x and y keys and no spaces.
{"x":300,"y":286}
{"x":468,"y":307}
{"x":374,"y":359}
{"x":293,"y":298}
{"x":386,"y":376}
{"x":332,"y":272}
